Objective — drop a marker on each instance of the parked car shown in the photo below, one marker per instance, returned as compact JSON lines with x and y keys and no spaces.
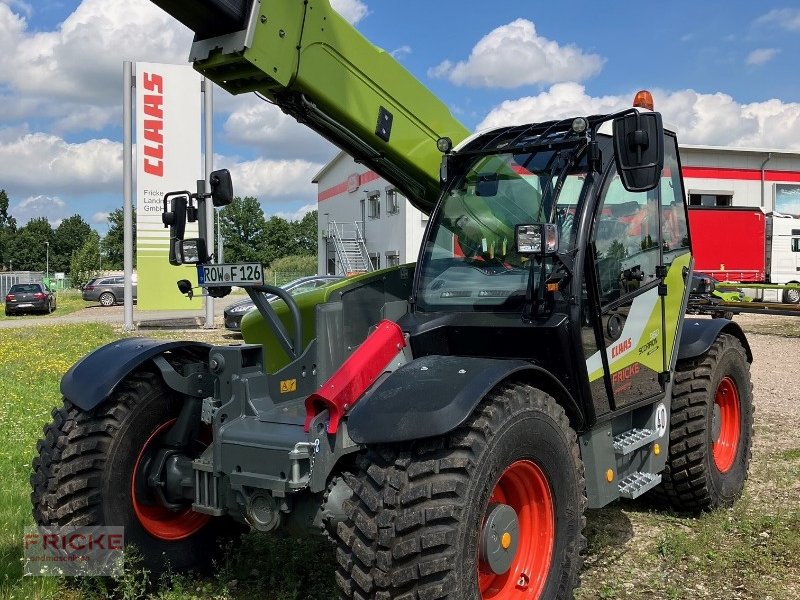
{"x":235,"y":312}
{"x":107,"y":290}
{"x":29,"y":297}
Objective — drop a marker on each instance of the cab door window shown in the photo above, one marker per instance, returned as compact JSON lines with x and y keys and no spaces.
{"x":674,"y":230}
{"x":626,"y":240}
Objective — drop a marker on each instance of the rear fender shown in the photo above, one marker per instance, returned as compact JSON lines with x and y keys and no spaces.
{"x":698,"y":335}
{"x":92,"y":379}
{"x":433,"y":395}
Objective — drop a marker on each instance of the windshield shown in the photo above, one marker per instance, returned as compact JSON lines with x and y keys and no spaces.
{"x":470,"y":261}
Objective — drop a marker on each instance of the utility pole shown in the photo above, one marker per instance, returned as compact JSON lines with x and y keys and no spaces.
{"x":47,"y":262}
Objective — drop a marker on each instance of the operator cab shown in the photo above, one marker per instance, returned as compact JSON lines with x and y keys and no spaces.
{"x":608,"y":220}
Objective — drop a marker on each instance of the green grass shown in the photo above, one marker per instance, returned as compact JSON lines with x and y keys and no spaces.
{"x":67,"y":301}
{"x":636,"y":551}
{"x":32,"y":361}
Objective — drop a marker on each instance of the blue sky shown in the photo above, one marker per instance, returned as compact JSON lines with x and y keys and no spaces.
{"x":723,"y":72}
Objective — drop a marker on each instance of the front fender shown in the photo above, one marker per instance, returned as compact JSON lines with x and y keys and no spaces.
{"x":95,"y":376}
{"x":430,"y":396}
{"x":698,"y":335}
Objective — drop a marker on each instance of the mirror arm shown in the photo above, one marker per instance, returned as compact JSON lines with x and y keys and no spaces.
{"x":293,"y":348}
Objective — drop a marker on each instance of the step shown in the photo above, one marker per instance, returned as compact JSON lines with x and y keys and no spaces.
{"x":637,"y":483}
{"x":633,"y":439}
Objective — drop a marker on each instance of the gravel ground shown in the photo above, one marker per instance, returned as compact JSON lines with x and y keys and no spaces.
{"x":776,"y":374}
{"x":114,"y":315}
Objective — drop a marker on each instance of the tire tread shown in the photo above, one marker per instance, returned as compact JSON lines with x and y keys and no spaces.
{"x":399,"y":539}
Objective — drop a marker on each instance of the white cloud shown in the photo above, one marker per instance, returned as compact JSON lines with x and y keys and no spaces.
{"x":274,"y":181}
{"x":561,"y":101}
{"x":707,"y":119}
{"x":39,"y":163}
{"x":264,"y":126}
{"x":761,"y":56}
{"x":514,"y":55}
{"x":20,"y":6}
{"x":81,"y":60}
{"x":401,"y":52}
{"x":298,"y":214}
{"x":92,"y":118}
{"x":352,"y":10}
{"x":51,"y":207}
{"x":100,"y":218}
{"x":786,"y":18}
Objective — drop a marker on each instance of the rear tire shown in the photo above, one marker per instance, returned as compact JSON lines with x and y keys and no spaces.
{"x":107,"y":299}
{"x":83,"y":473}
{"x":711,"y":429}
{"x":791,"y":296}
{"x":414,"y":524}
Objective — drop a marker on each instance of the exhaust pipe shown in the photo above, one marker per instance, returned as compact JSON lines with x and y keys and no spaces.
{"x":209,"y":18}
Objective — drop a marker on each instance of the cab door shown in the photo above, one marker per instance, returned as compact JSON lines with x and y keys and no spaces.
{"x":641,"y":261}
{"x":675,"y":248}
{"x":626,"y":245}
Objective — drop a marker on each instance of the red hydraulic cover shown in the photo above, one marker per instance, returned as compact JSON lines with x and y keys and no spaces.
{"x":344,"y":388}
{"x":729,"y":243}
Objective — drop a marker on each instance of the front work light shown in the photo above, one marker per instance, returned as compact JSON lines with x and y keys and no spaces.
{"x":579,"y":125}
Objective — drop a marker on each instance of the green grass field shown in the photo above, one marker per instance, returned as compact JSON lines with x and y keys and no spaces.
{"x":635,"y":551}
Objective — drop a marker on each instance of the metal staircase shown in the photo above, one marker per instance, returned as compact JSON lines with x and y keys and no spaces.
{"x":351,"y":248}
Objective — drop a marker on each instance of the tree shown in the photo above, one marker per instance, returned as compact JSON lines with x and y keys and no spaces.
{"x":306,"y":234}
{"x":279,"y":239}
{"x":242,"y":226}
{"x":8,"y":226}
{"x":113,"y":244}
{"x":85,"y":263}
{"x":68,"y":238}
{"x":27,"y":250}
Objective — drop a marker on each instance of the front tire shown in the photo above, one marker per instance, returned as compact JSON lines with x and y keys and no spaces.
{"x":417,"y":526}
{"x":83,"y":475}
{"x":711,"y":429}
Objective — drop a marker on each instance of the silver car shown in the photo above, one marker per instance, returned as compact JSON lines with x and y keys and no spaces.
{"x":107,"y":290}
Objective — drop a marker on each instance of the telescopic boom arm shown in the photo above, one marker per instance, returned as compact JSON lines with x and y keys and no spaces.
{"x":303,"y":56}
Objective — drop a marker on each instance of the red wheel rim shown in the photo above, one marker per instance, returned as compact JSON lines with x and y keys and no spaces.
{"x":524,"y":487}
{"x":725,"y":446}
{"x":157,"y":520}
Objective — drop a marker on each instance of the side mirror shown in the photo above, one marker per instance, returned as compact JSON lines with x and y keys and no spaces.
{"x":537,"y":238}
{"x":639,"y":150}
{"x":193,"y":251}
{"x":221,"y":187}
{"x":185,"y":287}
{"x":175,"y":219}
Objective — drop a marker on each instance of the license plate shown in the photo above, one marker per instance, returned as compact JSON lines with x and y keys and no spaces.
{"x":243,"y":274}
{"x":25,"y":305}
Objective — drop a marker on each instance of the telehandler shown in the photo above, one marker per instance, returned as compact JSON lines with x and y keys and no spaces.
{"x":447,"y":422}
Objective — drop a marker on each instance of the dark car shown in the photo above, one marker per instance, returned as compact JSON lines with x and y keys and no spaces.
{"x":107,"y":290}
{"x":29,"y":297}
{"x":235,"y":312}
